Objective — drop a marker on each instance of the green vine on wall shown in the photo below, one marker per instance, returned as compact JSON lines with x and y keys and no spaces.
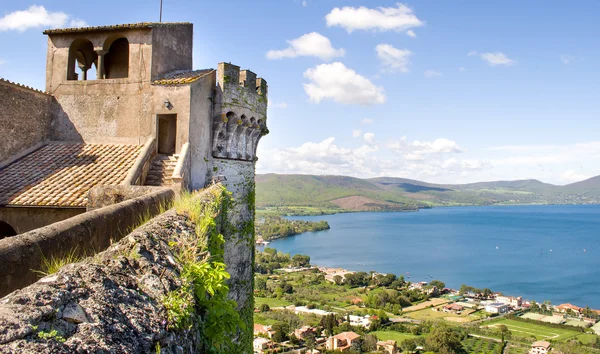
{"x":202,"y":298}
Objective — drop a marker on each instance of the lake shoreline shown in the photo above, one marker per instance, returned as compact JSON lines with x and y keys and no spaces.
{"x":424,"y":247}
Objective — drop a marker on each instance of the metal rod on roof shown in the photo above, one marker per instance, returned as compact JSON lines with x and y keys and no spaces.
{"x":160,"y":19}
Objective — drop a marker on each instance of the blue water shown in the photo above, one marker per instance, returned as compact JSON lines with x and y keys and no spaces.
{"x":533,"y":251}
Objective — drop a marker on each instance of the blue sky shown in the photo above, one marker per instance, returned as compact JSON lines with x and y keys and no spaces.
{"x":439,"y":91}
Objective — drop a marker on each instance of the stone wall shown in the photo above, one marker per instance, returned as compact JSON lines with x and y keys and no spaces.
{"x":116,"y":301}
{"x":172,"y":48}
{"x":24,"y":219}
{"x":23,"y":254}
{"x":25,"y":118}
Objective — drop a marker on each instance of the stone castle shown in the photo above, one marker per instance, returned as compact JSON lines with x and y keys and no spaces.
{"x":123,"y":107}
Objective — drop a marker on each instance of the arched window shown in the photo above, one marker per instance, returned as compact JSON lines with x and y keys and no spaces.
{"x":81,"y":59}
{"x":116,"y":62}
{"x":6,"y":230}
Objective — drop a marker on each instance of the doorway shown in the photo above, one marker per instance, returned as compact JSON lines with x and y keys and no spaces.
{"x":167,"y":133}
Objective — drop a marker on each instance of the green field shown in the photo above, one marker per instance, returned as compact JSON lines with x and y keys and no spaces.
{"x":392,"y":335}
{"x":428,"y":314}
{"x":539,"y":331}
{"x":272,"y":302}
{"x":586,"y":338}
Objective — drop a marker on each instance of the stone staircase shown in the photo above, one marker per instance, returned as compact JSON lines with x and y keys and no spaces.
{"x":161,"y":170}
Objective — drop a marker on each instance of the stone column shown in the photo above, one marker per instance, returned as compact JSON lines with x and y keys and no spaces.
{"x":100,"y":72}
{"x":84,"y":69}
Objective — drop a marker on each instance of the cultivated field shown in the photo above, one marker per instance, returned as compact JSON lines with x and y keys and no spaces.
{"x":433,"y":302}
{"x":397,"y":336}
{"x":539,"y":331}
{"x":481,"y":346}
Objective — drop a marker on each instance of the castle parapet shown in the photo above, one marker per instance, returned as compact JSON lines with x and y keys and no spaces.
{"x":240,"y":113}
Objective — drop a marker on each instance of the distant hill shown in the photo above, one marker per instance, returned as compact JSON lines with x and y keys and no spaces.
{"x":312,"y":194}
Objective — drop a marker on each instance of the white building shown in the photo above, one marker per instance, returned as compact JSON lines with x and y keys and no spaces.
{"x":496,"y":307}
{"x":260,"y":344}
{"x":510,"y":300}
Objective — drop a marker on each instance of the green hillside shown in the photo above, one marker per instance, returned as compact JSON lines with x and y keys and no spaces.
{"x":325,"y":194}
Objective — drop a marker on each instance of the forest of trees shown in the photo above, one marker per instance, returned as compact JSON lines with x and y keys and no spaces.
{"x":272,"y":227}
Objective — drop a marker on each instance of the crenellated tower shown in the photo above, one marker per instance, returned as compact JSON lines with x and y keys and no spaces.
{"x":240,"y":113}
{"x":239,"y":122}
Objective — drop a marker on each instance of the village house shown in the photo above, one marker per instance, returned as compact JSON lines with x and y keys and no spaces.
{"x":266,"y":331}
{"x":261,"y":344}
{"x":305,"y":331}
{"x":540,"y":347}
{"x":342,"y":341}
{"x":454,"y":308}
{"x":388,"y":347}
{"x":564,"y":308}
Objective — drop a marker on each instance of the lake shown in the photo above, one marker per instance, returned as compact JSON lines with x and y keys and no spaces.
{"x":538,"y":252}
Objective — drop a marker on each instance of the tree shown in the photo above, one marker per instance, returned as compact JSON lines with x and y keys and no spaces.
{"x":438,"y":284}
{"x":503,"y":331}
{"x":445,"y":339}
{"x":281,"y":329}
{"x":294,"y":340}
{"x":408,"y":345}
{"x":369,"y":343}
{"x":487,"y":293}
{"x":309,"y":341}
{"x":338,"y":279}
{"x":300,"y":260}
{"x":264,"y":308}
{"x":329,"y":322}
{"x":260,"y":283}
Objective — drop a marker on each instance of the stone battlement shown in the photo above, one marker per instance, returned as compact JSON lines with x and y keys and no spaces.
{"x":240,"y":113}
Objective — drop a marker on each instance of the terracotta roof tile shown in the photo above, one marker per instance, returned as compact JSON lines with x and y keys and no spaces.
{"x":182,"y":77}
{"x":60,"y":174}
{"x":113,"y":27}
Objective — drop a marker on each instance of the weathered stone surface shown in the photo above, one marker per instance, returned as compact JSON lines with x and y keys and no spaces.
{"x":73,"y":313}
{"x":108,"y":304}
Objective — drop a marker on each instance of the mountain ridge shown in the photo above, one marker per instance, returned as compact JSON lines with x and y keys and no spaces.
{"x":335,"y":193}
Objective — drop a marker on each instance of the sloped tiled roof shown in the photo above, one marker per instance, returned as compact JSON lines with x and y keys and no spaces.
{"x":61,"y":174}
{"x":182,"y":77}
{"x":113,"y":27}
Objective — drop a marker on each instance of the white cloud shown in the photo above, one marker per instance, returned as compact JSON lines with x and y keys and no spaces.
{"x":341,"y":84}
{"x":567,"y":59}
{"x":411,"y":33}
{"x":393,"y":59}
{"x":2,"y":61}
{"x":400,"y":18}
{"x":571,"y":176}
{"x":420,"y":150}
{"x":304,"y":3}
{"x":326,"y":157}
{"x":356,"y":133}
{"x":497,"y":58}
{"x":367,"y":121}
{"x":282,"y":105}
{"x":37,"y":16}
{"x":462,"y":69}
{"x":312,"y":44}
{"x":369,"y":138}
{"x":471,"y":53}
{"x":432,"y":73}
